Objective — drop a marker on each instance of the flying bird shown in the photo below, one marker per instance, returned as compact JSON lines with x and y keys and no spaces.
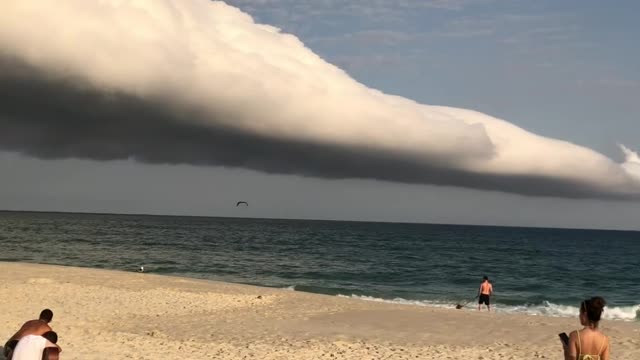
{"x":242,"y":203}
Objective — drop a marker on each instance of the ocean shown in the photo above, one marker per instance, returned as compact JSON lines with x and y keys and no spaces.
{"x":536,"y":271}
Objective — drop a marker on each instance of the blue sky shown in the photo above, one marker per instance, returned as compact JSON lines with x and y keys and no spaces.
{"x":563,"y":69}
{"x":566,"y":69}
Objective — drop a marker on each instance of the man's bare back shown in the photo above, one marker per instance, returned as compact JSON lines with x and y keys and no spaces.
{"x":484,"y":293}
{"x":31,"y":327}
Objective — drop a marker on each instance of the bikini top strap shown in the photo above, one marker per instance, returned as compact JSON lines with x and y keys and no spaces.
{"x":579,"y":345}
{"x":604,"y":342}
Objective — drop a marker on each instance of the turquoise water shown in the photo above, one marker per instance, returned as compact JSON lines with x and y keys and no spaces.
{"x":534,"y":270}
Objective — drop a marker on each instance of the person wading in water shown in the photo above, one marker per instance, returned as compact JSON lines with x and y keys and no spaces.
{"x":484,"y":293}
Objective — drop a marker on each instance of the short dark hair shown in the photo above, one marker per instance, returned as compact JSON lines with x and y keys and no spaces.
{"x":485,"y":277}
{"x":46,"y":315}
{"x":51,"y":336}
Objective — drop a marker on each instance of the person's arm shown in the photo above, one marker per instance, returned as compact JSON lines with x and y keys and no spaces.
{"x":15,"y":336}
{"x":491,"y":289}
{"x":49,"y":344}
{"x":8,"y":348}
{"x":51,"y":353}
{"x":571,"y":350}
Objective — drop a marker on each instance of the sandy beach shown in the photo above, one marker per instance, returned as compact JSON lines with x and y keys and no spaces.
{"x":101,"y":314}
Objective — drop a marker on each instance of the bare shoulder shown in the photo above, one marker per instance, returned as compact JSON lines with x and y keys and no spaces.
{"x":26,"y":328}
{"x":33,"y":324}
{"x":39,"y":328}
{"x":44,"y":328}
{"x":29,"y":324}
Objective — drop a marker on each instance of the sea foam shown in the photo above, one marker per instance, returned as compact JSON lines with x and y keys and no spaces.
{"x":626,"y":313}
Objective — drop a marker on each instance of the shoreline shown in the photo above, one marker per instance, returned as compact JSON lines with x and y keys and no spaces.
{"x":497,"y":308}
{"x":101,"y":313}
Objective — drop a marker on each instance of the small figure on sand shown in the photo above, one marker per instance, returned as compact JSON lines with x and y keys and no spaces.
{"x":33,"y":338}
{"x":484,"y":293}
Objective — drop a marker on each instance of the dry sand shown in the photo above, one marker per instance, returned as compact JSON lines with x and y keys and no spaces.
{"x":102,"y":314}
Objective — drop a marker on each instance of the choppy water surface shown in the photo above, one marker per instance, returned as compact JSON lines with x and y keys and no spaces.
{"x":535,"y":271}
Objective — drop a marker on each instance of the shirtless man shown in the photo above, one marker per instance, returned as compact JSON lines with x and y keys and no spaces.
{"x":31,"y":327}
{"x":484,"y":293}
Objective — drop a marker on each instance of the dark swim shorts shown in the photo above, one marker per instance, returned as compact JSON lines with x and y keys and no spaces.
{"x":484,"y":299}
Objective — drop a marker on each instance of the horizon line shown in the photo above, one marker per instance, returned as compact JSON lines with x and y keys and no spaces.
{"x":306,"y":219}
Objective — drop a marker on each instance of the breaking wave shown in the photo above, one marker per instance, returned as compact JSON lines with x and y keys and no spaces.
{"x":626,"y":313}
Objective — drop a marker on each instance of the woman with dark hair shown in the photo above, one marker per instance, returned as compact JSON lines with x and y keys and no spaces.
{"x":588,"y":343}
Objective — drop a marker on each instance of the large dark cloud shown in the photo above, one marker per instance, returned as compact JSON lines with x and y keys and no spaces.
{"x":51,"y":117}
{"x":198,"y":82}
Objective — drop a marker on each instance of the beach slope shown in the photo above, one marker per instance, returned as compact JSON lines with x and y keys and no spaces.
{"x":102,"y":314}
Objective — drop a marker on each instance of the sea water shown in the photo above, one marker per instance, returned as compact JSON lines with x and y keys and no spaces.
{"x":535,"y":271}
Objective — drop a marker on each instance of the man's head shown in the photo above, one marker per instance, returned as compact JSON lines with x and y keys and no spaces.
{"x":51,"y":336}
{"x":46,"y":315}
{"x":485,"y":278}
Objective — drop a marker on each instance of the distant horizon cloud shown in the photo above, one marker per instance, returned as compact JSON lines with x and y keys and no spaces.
{"x":199,"y":82}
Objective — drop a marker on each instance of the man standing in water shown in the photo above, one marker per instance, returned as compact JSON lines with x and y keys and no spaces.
{"x":484,"y":293}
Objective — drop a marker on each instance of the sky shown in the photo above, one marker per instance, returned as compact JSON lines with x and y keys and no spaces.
{"x":562,"y":70}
